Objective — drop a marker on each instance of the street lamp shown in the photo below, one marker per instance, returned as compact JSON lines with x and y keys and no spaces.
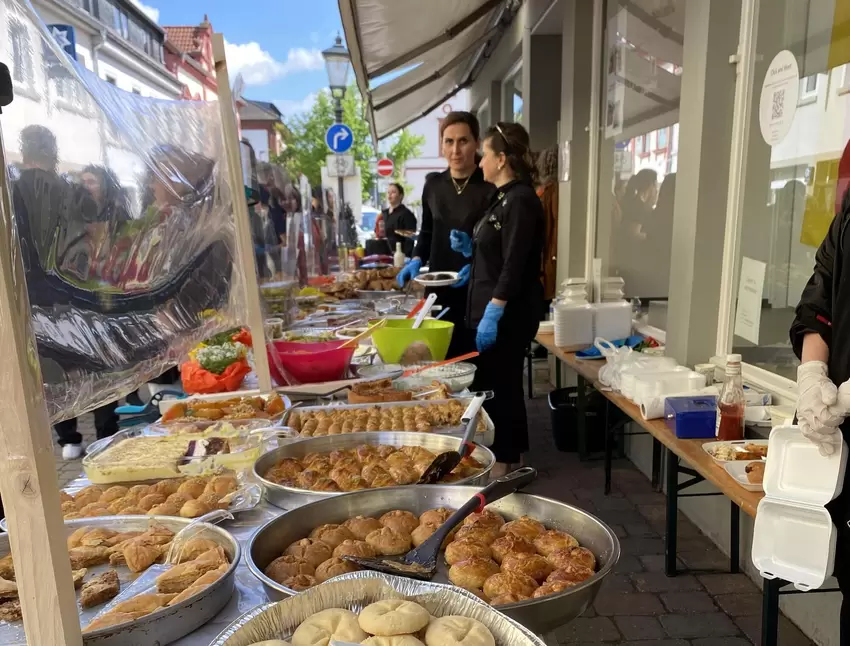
{"x":338,"y":62}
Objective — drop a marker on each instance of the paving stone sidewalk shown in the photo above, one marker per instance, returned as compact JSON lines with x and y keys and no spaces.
{"x":637,"y":605}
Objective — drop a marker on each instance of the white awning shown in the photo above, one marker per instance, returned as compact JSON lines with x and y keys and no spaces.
{"x":409,"y":56}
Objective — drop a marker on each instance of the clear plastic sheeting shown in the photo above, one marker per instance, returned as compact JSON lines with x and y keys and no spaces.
{"x":123,"y":215}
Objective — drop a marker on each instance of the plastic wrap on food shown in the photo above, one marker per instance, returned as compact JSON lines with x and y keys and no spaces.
{"x":357,"y":590}
{"x":123,"y":217}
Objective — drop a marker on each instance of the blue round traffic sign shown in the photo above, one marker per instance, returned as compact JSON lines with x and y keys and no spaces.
{"x":339,"y":138}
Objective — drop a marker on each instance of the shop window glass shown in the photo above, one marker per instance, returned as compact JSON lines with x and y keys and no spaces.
{"x":642,"y":88}
{"x":794,"y":186}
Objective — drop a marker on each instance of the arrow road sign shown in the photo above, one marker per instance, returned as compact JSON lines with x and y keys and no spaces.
{"x":339,"y":138}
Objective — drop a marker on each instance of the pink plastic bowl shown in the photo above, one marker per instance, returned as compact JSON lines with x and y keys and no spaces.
{"x":308,"y":363}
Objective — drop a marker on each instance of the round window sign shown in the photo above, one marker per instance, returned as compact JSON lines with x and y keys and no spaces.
{"x":779,"y":94}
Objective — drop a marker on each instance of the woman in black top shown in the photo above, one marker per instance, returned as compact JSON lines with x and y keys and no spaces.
{"x":397,"y":217}
{"x":505,"y":291}
{"x":453,"y":199}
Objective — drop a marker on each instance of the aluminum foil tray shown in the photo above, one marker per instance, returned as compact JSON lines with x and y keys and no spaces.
{"x":359,"y":589}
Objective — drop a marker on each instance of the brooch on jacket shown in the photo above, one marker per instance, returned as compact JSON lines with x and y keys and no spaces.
{"x":495,"y":222}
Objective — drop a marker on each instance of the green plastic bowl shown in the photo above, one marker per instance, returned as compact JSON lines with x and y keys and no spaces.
{"x":396,"y":336}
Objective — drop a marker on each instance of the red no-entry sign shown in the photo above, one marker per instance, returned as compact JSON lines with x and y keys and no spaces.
{"x":385,"y":167}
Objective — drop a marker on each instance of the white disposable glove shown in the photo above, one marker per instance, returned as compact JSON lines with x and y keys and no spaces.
{"x":818,"y":408}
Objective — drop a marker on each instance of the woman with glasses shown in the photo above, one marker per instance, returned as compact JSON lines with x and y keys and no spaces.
{"x":505,"y":291}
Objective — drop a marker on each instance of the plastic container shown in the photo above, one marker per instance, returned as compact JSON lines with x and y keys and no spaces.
{"x":691,"y":417}
{"x":643,"y":366}
{"x":563,"y":409}
{"x":308,"y":363}
{"x":573,"y":325}
{"x":674,"y":382}
{"x":612,"y":321}
{"x":395,"y":337}
{"x":457,"y":376}
{"x":794,"y":537}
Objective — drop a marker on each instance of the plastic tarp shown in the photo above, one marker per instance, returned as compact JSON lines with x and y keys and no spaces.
{"x":380,"y":32}
{"x":122,"y":215}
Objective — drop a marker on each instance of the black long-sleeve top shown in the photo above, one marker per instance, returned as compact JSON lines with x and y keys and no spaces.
{"x":400,"y":219}
{"x":444,"y":209}
{"x":507,"y":248}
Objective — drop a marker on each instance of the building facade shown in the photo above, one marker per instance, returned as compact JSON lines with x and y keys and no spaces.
{"x":189,"y":56}
{"x":260,"y":121}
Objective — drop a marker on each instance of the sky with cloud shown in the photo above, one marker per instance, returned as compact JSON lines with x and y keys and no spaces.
{"x":275,"y":44}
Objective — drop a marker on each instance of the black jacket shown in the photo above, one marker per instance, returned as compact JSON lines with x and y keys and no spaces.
{"x":443,"y":209}
{"x":507,"y":248}
{"x":401,"y":218}
{"x":823,"y":306}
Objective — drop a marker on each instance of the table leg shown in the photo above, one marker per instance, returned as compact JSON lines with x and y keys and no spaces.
{"x":656,"y":464}
{"x":558,"y":367}
{"x":581,"y":406}
{"x":770,"y":612}
{"x":609,"y":448}
{"x":734,"y":538}
{"x":672,"y":513}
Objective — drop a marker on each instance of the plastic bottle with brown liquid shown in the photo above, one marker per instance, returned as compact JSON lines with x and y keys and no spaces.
{"x":730,"y":404}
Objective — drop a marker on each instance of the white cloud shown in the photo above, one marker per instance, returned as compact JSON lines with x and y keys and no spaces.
{"x":150,"y":12}
{"x":259,"y":67}
{"x":291,"y":107}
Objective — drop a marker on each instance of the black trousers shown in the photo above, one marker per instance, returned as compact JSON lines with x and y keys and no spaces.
{"x":839,"y":509}
{"x":500,"y":370}
{"x":105,"y":425}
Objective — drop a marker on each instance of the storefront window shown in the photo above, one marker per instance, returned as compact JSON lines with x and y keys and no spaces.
{"x":794,"y":184}
{"x":641,"y":93}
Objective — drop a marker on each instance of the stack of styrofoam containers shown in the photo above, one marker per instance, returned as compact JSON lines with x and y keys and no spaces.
{"x":573,"y":291}
{"x":612,"y":321}
{"x":573,"y":324}
{"x":613,"y":289}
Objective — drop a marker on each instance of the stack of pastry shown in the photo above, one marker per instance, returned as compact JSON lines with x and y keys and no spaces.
{"x":501,"y":562}
{"x":185,"y":497}
{"x":376,"y":392}
{"x":365,"y":467}
{"x":198,"y":563}
{"x":391,"y":622}
{"x":422,"y":418}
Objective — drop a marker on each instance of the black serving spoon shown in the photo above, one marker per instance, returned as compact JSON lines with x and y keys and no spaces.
{"x":445,"y":463}
{"x":421,"y":562}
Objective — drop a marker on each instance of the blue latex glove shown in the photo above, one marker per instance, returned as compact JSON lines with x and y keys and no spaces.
{"x":461,"y":242}
{"x":410,"y":271}
{"x":463,"y":276}
{"x":489,"y":327}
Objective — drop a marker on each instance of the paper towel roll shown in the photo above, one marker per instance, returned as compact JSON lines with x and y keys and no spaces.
{"x":653,"y":407}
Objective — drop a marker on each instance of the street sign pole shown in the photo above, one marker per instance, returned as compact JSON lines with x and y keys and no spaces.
{"x":339,"y":139}
{"x":340,"y":180}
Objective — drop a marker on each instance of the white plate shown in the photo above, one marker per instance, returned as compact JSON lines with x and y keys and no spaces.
{"x":710,"y":447}
{"x":422,"y":279}
{"x":738,"y":470}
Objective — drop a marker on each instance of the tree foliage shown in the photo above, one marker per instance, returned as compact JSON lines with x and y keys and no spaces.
{"x":306,"y":152}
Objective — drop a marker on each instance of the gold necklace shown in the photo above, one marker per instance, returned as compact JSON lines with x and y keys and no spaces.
{"x":458,"y":187}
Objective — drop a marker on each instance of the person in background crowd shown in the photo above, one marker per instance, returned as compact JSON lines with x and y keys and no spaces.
{"x":637,"y":205}
{"x":453,"y":199}
{"x":505,"y":292}
{"x":659,"y":240}
{"x":819,"y":336}
{"x":397,"y":217}
{"x":272,"y":198}
{"x":547,"y":190}
{"x":112,"y":209}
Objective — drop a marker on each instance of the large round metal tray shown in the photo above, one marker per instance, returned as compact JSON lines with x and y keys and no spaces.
{"x":163,"y":626}
{"x":291,"y":497}
{"x":539,"y":615}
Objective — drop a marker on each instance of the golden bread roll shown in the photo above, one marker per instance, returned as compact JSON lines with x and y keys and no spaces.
{"x":572,"y":555}
{"x":573,"y":572}
{"x":533,"y":565}
{"x":481,"y":533}
{"x":401,"y":521}
{"x":436,"y":516}
{"x":510,"y":544}
{"x":553,"y":588}
{"x":458,"y":631}
{"x":352,"y":547}
{"x":389,"y":542}
{"x":284,"y":567}
{"x":315,"y":552}
{"x":331,"y":535}
{"x":552,"y":540}
{"x":509,"y":583}
{"x":505,"y":599}
{"x":472,"y":573}
{"x":334,"y":567}
{"x":486,"y":517}
{"x":300,"y":582}
{"x":362,"y":526}
{"x":524,"y":527}
{"x":466,"y":548}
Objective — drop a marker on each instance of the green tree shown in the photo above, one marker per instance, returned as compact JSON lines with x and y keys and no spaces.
{"x":306,"y":152}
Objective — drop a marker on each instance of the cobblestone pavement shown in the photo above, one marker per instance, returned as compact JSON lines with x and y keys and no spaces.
{"x":637,"y":605}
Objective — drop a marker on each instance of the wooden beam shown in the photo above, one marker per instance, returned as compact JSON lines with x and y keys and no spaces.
{"x":28,"y":482}
{"x":244,"y":242}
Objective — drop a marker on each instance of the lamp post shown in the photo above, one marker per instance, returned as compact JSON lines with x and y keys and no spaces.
{"x":338,"y":62}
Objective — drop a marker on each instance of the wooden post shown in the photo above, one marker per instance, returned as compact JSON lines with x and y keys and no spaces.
{"x":244,"y":243}
{"x":28,"y":480}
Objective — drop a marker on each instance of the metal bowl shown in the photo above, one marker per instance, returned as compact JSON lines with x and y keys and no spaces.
{"x":539,"y":615}
{"x":291,"y":497}
{"x":167,"y":624}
